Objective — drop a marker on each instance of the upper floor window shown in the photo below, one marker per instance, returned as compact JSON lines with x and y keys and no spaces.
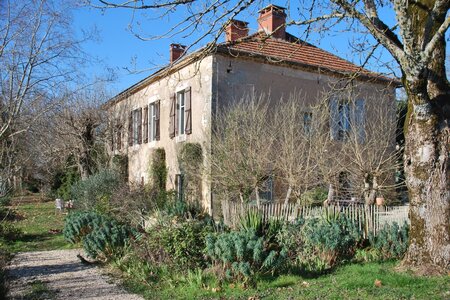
{"x":180,"y":113}
{"x":135,"y":127}
{"x":154,"y":121}
{"x":347,"y":118}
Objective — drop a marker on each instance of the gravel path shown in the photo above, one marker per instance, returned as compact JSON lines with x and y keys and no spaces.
{"x":63,"y":274}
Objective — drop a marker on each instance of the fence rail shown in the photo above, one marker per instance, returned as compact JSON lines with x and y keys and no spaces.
{"x":368,"y":218}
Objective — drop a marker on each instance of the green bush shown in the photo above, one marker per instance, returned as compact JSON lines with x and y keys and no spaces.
{"x":319,"y":244}
{"x":5,"y":257}
{"x":254,"y":221}
{"x":158,"y":170}
{"x":5,"y":200}
{"x":64,"y":179}
{"x":95,"y":192}
{"x":9,"y":232}
{"x":243,"y":255}
{"x":391,"y":242}
{"x":102,"y":237}
{"x":314,"y":197}
{"x":181,"y":244}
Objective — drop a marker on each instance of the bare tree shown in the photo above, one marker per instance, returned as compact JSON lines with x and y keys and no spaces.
{"x":241,"y":147}
{"x":297,"y":135}
{"x":38,"y":56}
{"x":77,"y":128}
{"x":370,"y":148}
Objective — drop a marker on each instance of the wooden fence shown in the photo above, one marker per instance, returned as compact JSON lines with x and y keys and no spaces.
{"x":369,"y":218}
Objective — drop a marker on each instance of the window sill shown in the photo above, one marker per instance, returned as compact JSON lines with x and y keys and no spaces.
{"x":180,"y":138}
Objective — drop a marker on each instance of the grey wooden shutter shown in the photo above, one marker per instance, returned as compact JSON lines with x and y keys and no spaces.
{"x":360,"y":120}
{"x":176,"y":117}
{"x":334,"y":118}
{"x":157,"y":108}
{"x":130,"y":129}
{"x":139,"y":125}
{"x":187,"y":111}
{"x":172,"y":119}
{"x":145,"y":124}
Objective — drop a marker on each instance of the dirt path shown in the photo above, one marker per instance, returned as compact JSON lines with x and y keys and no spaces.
{"x":65,"y":277}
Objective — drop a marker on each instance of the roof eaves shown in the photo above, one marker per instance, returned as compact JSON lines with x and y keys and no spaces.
{"x":371,"y":76}
{"x":164,"y":71}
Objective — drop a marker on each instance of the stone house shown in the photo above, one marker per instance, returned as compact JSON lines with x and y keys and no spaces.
{"x":176,"y":104}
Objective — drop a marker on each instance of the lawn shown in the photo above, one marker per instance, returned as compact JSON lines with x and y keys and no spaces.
{"x":353,"y":281}
{"x":41,"y":226}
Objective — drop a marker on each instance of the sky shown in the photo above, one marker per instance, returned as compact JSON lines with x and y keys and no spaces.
{"x":116,"y":48}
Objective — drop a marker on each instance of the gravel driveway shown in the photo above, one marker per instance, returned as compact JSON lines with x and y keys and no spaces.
{"x":64,"y":275}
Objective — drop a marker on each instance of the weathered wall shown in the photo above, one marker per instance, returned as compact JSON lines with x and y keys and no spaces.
{"x":197,"y":76}
{"x":217,"y":81}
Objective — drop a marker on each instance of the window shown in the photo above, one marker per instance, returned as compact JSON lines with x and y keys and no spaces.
{"x":135,"y":127}
{"x":180,"y":113}
{"x":307,"y":122}
{"x":343,"y":120}
{"x":153,"y":120}
{"x":179,"y":184}
{"x":347,"y":118}
{"x":266,"y":189}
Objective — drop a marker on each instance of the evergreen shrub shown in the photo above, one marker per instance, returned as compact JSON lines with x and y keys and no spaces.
{"x":319,"y":244}
{"x":102,"y":237}
{"x":178,"y":244}
{"x":95,"y":192}
{"x":391,"y":242}
{"x":243,"y":255}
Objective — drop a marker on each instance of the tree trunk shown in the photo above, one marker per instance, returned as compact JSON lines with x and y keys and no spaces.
{"x":330,"y":194}
{"x":372,"y":191}
{"x":288,"y":195}
{"x":258,"y":201}
{"x":427,"y":169}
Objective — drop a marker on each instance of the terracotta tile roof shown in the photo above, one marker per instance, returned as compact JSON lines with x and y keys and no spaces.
{"x":297,"y":51}
{"x":290,"y":50}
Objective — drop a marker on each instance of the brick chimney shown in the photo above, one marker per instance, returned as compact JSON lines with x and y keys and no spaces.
{"x":235,"y":30}
{"x":176,"y":51}
{"x":272,"y":21}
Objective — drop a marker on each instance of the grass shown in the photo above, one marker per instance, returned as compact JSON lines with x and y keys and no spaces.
{"x":41,"y":228}
{"x":38,"y":290}
{"x":352,"y":281}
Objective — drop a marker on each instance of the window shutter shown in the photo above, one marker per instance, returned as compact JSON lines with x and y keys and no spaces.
{"x":334,"y":119}
{"x":139,"y":125}
{"x":172,"y":119}
{"x":177,"y":109}
{"x":146,"y":124}
{"x":187,"y":111}
{"x":119,"y":138}
{"x":157,"y":110}
{"x":130,"y":129}
{"x":360,"y":120}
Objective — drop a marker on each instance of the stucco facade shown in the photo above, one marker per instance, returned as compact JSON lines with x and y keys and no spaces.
{"x":216,"y":79}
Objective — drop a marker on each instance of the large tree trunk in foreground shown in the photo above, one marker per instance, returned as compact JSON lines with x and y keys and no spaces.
{"x":427,"y":168}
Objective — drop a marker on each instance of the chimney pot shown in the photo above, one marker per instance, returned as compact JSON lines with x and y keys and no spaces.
{"x":176,"y":51}
{"x":272,"y":20}
{"x":236,"y":30}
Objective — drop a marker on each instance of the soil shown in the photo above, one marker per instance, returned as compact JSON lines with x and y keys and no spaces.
{"x":64,"y":276}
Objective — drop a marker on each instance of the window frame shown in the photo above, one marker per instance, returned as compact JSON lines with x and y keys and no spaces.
{"x":152,"y":121}
{"x":180,"y":112}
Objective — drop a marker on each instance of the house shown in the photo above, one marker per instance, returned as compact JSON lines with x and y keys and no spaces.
{"x":176,"y":104}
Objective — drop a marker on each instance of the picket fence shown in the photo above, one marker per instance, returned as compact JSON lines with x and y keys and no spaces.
{"x":368,"y":218}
